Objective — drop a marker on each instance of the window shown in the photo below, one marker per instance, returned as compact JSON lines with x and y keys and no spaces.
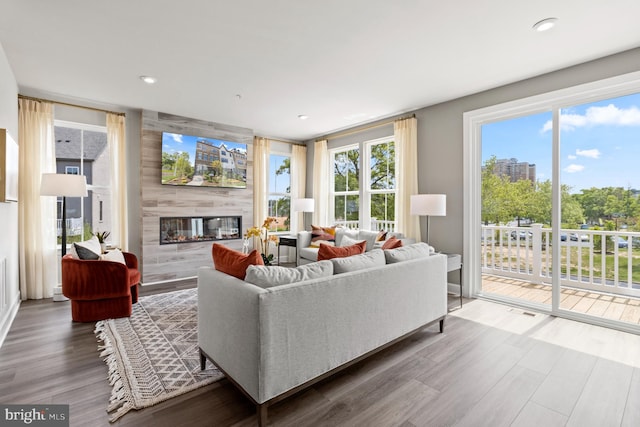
{"x":280,"y":190}
{"x":364,"y":200}
{"x":82,"y":149}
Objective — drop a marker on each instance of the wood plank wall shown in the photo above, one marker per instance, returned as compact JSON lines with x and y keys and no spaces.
{"x":179,"y":261}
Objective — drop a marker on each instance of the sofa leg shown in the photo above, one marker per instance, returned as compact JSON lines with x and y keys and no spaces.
{"x":262,"y":415}
{"x":441,"y":325}
{"x":203,"y":361}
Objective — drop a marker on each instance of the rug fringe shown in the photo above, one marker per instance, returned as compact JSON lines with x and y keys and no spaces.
{"x":117,"y":401}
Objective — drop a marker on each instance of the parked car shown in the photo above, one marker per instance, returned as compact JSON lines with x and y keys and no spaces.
{"x":582,"y":237}
{"x":563,"y":237}
{"x":622,"y":242}
{"x":522,"y":235}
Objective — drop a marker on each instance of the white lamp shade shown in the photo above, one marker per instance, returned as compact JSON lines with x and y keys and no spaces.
{"x":56,"y":184}
{"x":303,"y":205}
{"x":429,"y":204}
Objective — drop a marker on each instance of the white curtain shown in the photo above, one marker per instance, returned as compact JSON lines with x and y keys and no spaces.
{"x":321,"y":183}
{"x":119,"y":211}
{"x":37,"y":214}
{"x":406,"y":145}
{"x":261,"y":147}
{"x":298,"y":183}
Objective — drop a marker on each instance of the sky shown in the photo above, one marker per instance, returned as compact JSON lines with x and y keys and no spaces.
{"x":599,"y":143}
{"x":174,"y":142}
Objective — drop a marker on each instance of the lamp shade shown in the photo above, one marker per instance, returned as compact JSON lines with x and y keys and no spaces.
{"x":428,"y":204}
{"x":63,"y":185}
{"x":303,"y":205}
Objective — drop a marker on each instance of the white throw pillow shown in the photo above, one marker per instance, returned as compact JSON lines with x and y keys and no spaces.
{"x":363,"y":261}
{"x":113,"y":255}
{"x":266,"y":277}
{"x":370,"y":237}
{"x":342,"y":232}
{"x":89,"y":249}
{"x":406,"y":253}
{"x":347,"y":240}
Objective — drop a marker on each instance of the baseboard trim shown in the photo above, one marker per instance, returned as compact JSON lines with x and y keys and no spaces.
{"x":7,"y":319}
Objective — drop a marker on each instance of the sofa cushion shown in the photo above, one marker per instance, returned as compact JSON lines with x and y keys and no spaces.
{"x":406,"y":253}
{"x":89,"y":249}
{"x":113,"y":255}
{"x":392,"y":243}
{"x":366,"y":235}
{"x":233,"y":262}
{"x":330,"y":252}
{"x":316,"y":243}
{"x":363,"y":261}
{"x":266,"y":277}
{"x":382,"y":236}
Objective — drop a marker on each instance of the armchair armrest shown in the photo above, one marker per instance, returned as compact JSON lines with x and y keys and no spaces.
{"x":90,"y":280}
{"x":131,"y":260}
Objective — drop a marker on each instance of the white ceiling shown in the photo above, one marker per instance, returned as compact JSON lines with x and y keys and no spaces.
{"x":341,"y":62}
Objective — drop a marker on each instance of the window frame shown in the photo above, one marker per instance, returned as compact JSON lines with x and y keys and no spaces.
{"x":280,"y":153}
{"x":364,"y":191}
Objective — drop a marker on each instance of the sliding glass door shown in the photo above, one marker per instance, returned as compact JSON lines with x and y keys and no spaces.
{"x":553,"y":185}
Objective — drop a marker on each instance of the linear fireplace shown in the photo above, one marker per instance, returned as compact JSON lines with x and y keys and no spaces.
{"x":188,"y":229}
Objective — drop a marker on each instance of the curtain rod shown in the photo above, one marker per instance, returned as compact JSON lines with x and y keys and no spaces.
{"x":68,"y":104}
{"x":362,"y":129}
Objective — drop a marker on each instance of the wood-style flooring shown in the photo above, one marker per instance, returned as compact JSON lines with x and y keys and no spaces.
{"x":492,"y":366}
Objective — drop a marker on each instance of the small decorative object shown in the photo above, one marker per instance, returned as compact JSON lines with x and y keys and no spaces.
{"x":262,"y":233}
{"x":102,"y":238}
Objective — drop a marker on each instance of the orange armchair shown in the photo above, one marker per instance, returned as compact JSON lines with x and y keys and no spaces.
{"x":98,"y":289}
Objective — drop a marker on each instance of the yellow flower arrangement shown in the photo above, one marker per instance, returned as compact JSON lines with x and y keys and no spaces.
{"x":262,"y":233}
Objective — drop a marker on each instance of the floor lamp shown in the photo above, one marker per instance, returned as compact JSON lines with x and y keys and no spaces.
{"x":428,"y":205}
{"x":303,"y":205}
{"x":63,"y":185}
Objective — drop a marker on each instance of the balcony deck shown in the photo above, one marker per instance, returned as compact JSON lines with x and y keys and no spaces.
{"x":615,"y":307}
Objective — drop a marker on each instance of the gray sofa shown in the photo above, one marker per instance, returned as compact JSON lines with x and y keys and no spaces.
{"x":273,"y":342}
{"x":306,"y":254}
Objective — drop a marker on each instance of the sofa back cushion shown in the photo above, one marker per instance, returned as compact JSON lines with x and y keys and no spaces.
{"x":330,"y":252}
{"x":405,"y":253}
{"x":373,"y":258}
{"x":266,"y":277}
{"x":233,"y":262}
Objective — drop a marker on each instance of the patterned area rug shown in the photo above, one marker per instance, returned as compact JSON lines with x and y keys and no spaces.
{"x":153,"y":355}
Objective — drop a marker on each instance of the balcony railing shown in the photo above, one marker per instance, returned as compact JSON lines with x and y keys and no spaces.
{"x":595,"y":260}
{"x":376,"y":224}
{"x":74,"y":226}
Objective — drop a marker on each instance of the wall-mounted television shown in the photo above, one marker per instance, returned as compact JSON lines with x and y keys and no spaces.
{"x":203,"y":162}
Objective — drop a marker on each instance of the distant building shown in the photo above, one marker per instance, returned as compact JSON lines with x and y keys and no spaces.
{"x":231,"y":161}
{"x":515,"y":170}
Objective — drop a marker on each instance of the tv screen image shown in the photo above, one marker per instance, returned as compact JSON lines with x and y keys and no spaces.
{"x":203,"y":162}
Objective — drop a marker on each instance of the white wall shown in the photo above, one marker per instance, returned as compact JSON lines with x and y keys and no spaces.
{"x":9,"y":211}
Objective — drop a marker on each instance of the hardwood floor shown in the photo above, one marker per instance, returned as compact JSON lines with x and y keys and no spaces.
{"x":493,"y":366}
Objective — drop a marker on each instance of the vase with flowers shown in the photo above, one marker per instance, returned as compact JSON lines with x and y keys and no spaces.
{"x":265,"y":239}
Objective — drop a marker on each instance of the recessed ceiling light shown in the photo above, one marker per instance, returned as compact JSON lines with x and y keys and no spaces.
{"x":303,"y":117}
{"x":148,"y":79}
{"x":545,"y":24}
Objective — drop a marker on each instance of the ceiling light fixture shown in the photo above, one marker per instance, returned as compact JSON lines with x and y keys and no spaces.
{"x":303,"y":117}
{"x":148,"y":79}
{"x":545,"y":24}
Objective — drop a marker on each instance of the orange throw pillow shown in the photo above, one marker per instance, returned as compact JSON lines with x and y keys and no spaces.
{"x":329,"y":252}
{"x":233,"y":262}
{"x":392,"y":243}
